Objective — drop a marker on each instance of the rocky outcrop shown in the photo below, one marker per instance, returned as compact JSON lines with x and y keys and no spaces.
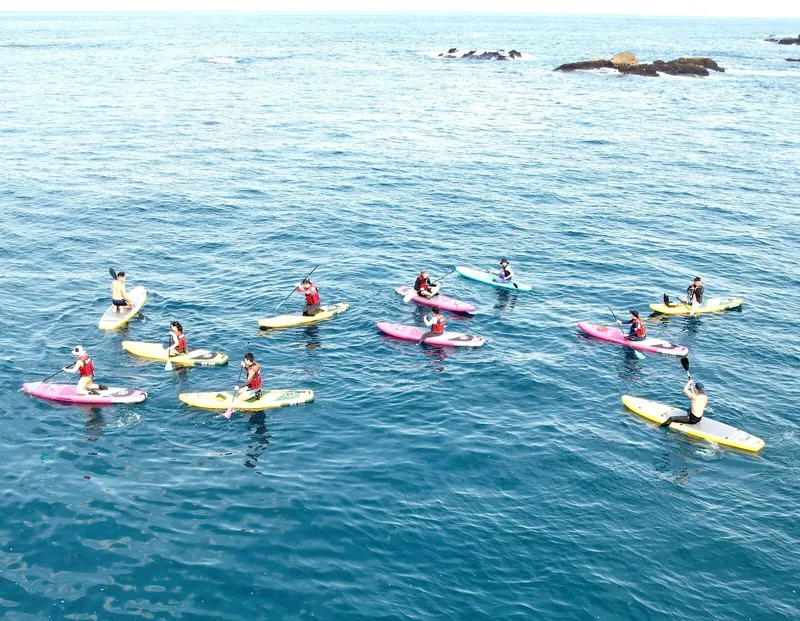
{"x":473,"y":55}
{"x":627,"y":63}
{"x":793,"y":60}
{"x":786,"y":41}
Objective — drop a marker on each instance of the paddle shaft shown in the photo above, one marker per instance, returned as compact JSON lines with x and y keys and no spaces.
{"x":638,"y":354}
{"x":295,"y":288}
{"x":52,"y":376}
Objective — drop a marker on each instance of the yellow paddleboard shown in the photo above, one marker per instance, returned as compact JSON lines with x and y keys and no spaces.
{"x":707,"y":429}
{"x":711,"y":305}
{"x":269,"y":399}
{"x":287,"y":321}
{"x":156,"y":351}
{"x":113,"y":319}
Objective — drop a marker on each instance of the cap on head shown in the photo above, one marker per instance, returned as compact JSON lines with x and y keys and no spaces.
{"x":635,"y":313}
{"x":699,"y":386}
{"x":503,"y":261}
{"x":697,"y":279}
{"x":78,"y":351}
{"x":435,"y":309}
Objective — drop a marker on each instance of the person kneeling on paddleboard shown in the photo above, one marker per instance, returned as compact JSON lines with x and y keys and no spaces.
{"x":252,"y":388}
{"x":435,"y":323}
{"x":694,"y":296}
{"x":119,"y":297}
{"x":178,"y":345}
{"x":638,"y":331}
{"x":309,"y":289}
{"x":505,"y":273}
{"x":694,"y":413}
{"x":424,"y":287}
{"x":85,"y":367}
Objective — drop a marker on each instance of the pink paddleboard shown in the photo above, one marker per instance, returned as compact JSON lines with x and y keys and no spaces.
{"x":613,"y":335}
{"x":66,"y":394}
{"x":442,"y":301}
{"x":413,"y":333}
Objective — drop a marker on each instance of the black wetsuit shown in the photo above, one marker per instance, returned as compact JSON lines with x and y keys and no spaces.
{"x":632,"y":332}
{"x":689,"y":419}
{"x":696,"y":291}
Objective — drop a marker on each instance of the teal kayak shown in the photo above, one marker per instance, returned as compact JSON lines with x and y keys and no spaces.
{"x":489,"y":279}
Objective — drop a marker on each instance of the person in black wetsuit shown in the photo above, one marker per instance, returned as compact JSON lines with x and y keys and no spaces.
{"x":424,"y":287}
{"x":694,"y":413}
{"x":694,"y":296}
{"x":638,"y":331}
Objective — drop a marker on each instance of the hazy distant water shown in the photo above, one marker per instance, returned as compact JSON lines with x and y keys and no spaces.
{"x":507,"y":482}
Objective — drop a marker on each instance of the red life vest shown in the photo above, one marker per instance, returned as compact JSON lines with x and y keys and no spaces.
{"x":312,"y":295}
{"x":421,"y":284}
{"x":87,"y":368}
{"x":255,"y":381}
{"x":641,"y":330}
{"x":438,"y":324}
{"x":180,"y":347}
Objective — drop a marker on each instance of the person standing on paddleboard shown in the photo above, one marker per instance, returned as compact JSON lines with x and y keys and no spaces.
{"x":638,"y":331}
{"x":252,"y":388}
{"x":309,"y":289}
{"x":119,"y":297}
{"x":694,"y":413}
{"x":424,"y":287}
{"x":505,"y":273}
{"x":85,"y":367}
{"x":178,"y":345}
{"x":435,"y":323}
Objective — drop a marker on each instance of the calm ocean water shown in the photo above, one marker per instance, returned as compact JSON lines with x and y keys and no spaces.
{"x":507,"y":482}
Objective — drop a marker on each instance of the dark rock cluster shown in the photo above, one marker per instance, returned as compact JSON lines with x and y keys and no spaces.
{"x":786,"y":40}
{"x":473,"y":54}
{"x":793,"y":60}
{"x":685,"y":65}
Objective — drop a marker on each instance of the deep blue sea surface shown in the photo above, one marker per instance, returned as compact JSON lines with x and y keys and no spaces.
{"x":217,"y":159}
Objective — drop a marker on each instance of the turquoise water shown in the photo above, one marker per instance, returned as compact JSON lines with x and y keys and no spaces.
{"x":507,"y":482}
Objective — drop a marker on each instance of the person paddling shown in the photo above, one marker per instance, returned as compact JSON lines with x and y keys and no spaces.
{"x":424,"y":287}
{"x":505,"y":273}
{"x":694,"y":296}
{"x":178,"y":345}
{"x":309,"y":289}
{"x":119,"y":296}
{"x":694,"y":413}
{"x":84,"y":366}
{"x":252,"y":388}
{"x":638,"y":331}
{"x":435,"y":323}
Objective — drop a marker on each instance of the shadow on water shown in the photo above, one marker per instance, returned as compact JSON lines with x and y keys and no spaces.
{"x":309,"y":336}
{"x":259,"y":439}
{"x":506,"y":300}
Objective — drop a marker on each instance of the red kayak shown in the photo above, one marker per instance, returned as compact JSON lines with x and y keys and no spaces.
{"x":442,"y":301}
{"x":614,"y":335}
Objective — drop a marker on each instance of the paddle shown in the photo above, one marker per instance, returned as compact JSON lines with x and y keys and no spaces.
{"x":112,"y":272}
{"x":516,"y":286}
{"x":229,"y":411}
{"x":639,"y":354}
{"x":685,"y":365}
{"x":61,"y":370}
{"x":412,"y":292}
{"x":168,"y":366}
{"x":295,"y":289}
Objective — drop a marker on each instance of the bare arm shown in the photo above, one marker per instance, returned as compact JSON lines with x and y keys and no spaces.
{"x":687,"y":390}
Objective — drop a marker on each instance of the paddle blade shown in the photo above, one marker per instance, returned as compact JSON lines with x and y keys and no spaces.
{"x":229,"y":412}
{"x":168,"y":366}
{"x":112,"y":272}
{"x":409,"y":295}
{"x":639,"y":354}
{"x":685,"y":364}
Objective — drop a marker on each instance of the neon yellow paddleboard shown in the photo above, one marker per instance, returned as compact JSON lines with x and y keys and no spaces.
{"x":156,"y":351}
{"x":113,"y":319}
{"x":707,"y":429}
{"x":287,"y":321}
{"x":269,"y":399}
{"x":711,"y":305}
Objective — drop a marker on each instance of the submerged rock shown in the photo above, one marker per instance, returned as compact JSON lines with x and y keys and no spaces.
{"x":627,"y":63}
{"x":793,"y":60}
{"x":486,"y":55}
{"x":786,"y":41}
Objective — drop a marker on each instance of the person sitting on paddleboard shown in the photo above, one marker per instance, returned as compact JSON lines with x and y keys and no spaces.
{"x":694,"y":295}
{"x":424,"y":287}
{"x":178,"y":345}
{"x":638,"y":331}
{"x":695,"y":411}
{"x":252,"y":388}
{"x":309,"y":289}
{"x":505,"y":273}
{"x":435,"y":323}
{"x":119,"y":297}
{"x":85,"y":367}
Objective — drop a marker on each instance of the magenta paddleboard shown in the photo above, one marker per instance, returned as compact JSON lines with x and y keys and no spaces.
{"x":442,"y":301}
{"x":413,"y":333}
{"x":651,"y":346}
{"x":66,"y":393}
